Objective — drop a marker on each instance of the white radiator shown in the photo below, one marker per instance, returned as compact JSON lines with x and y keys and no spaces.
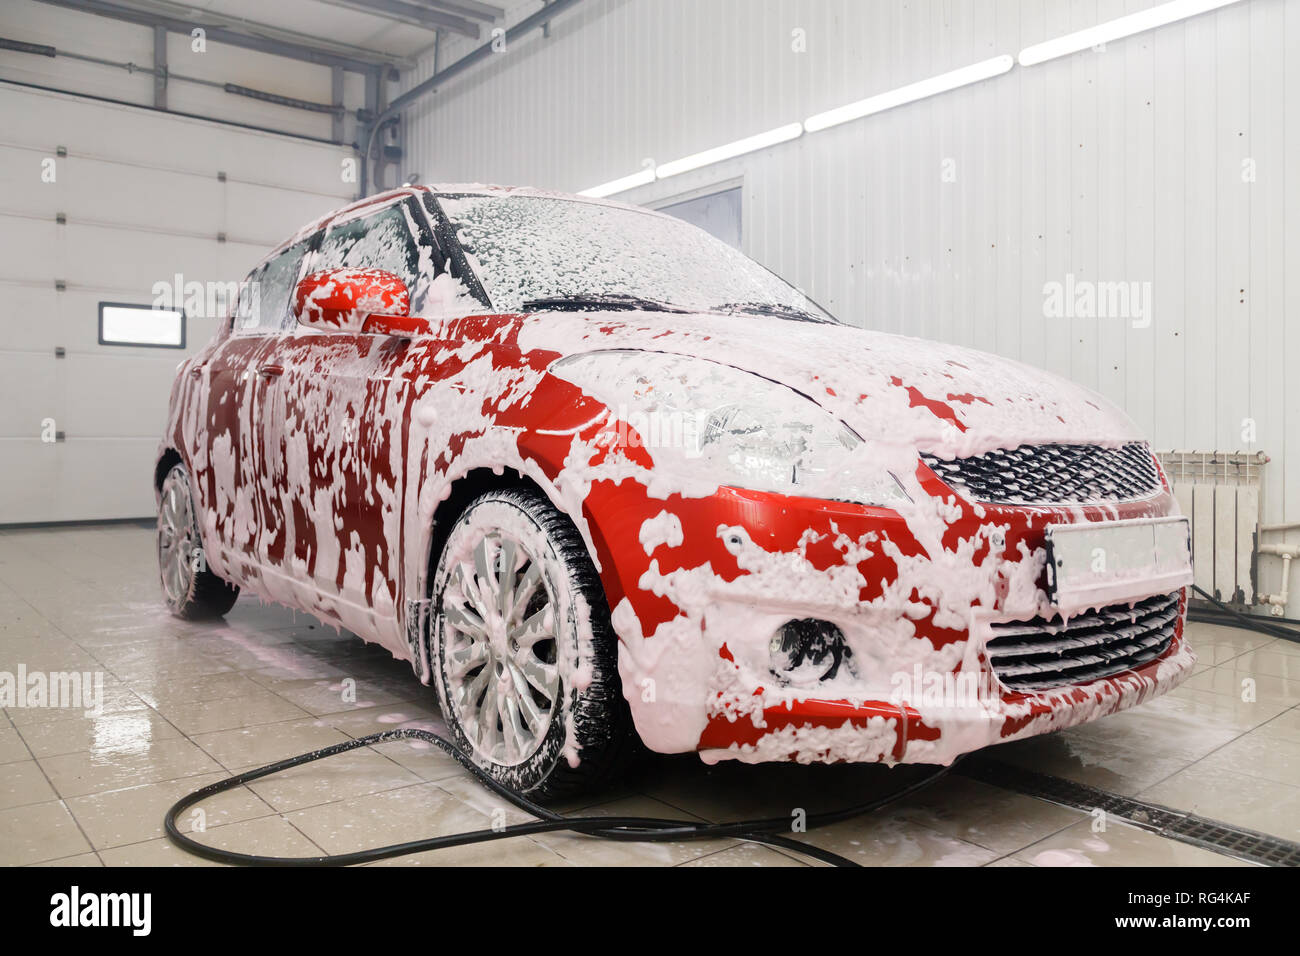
{"x":1220,"y":492}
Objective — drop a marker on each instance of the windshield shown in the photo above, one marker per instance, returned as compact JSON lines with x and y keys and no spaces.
{"x":534,"y":253}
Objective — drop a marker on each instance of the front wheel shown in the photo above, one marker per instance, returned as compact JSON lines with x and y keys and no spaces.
{"x":189,"y":588}
{"x":523,"y":648}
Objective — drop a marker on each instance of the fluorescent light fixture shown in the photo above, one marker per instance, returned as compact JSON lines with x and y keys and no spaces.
{"x":643,"y":178}
{"x":1116,"y":29}
{"x":913,"y":91}
{"x":141,"y":325}
{"x":782,"y":134}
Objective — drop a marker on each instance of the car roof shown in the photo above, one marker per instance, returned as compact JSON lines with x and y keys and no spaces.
{"x":444,"y":189}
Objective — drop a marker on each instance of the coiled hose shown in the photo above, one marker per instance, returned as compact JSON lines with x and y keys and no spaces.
{"x":628,"y":829}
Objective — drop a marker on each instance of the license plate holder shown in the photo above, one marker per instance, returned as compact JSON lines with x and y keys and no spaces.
{"x":1092,"y":564}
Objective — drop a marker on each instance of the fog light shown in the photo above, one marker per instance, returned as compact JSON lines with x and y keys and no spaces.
{"x":807,"y":651}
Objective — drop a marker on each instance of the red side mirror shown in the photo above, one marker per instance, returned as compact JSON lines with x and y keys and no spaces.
{"x":340,"y":300}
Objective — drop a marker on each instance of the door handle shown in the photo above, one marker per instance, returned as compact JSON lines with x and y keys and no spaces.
{"x":271,"y":371}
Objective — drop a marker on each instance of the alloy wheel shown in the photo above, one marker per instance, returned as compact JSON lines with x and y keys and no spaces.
{"x":501,"y":648}
{"x":176,"y":537}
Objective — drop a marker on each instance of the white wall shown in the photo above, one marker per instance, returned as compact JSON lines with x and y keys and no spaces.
{"x":1122,"y":165}
{"x":143,"y":202}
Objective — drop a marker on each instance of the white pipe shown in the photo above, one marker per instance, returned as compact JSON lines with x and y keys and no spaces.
{"x":1289,"y":526}
{"x":1277,"y":602}
{"x":1281,"y":550}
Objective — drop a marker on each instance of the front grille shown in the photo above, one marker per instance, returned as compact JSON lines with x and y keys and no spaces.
{"x":1042,"y":654}
{"x":1052,"y":474}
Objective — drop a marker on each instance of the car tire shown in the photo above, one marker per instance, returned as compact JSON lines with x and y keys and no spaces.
{"x":525,"y":663}
{"x":190,"y":589}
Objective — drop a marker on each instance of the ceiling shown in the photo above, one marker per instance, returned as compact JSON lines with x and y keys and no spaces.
{"x":392,"y":31}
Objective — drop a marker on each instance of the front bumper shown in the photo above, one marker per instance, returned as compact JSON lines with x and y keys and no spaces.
{"x":811,"y":730}
{"x":698,"y":586}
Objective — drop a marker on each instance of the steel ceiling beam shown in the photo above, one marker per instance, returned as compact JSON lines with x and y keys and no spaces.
{"x":466,"y":8}
{"x":539,"y":19}
{"x":219,"y":33}
{"x":414,"y":14}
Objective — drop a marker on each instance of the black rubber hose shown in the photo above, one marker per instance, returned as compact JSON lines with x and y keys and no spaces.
{"x":628,"y":829}
{"x":1237,"y":619}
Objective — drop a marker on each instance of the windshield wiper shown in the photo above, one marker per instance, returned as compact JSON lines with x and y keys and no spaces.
{"x":597,"y":302}
{"x":772,"y":308}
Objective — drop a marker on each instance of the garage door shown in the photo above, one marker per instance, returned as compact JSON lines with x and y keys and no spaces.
{"x":107,"y":203}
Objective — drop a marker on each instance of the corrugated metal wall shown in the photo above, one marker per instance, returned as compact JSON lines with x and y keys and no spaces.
{"x":1170,"y":158}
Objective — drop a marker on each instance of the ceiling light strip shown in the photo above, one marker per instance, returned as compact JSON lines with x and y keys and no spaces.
{"x":773,"y":137}
{"x":643,"y":178}
{"x":1140,"y":22}
{"x":912,"y":92}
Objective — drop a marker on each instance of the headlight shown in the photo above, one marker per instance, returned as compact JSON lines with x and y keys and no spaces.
{"x":736,"y":427}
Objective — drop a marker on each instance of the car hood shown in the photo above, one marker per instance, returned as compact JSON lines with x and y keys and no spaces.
{"x":939,"y":399}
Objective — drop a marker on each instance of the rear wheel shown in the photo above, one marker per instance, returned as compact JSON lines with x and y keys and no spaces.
{"x":524,"y":653}
{"x":189,"y":588}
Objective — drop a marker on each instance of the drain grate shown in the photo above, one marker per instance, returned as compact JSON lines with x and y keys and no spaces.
{"x":1224,"y":838}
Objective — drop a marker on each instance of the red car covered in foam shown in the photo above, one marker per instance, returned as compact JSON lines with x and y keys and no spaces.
{"x":595,"y":474}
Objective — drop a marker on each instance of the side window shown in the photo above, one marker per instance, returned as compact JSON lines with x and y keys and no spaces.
{"x":379,"y":241}
{"x":268,"y":291}
{"x":245,"y":314}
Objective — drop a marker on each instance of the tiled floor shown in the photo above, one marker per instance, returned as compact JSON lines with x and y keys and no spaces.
{"x":186,"y":704}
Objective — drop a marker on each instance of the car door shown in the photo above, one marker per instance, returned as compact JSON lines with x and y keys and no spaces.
{"x":226,"y":462}
{"x":275,"y":494}
{"x":331,"y":435}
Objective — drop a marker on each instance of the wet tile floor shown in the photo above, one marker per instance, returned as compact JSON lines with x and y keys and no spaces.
{"x":185,"y":704}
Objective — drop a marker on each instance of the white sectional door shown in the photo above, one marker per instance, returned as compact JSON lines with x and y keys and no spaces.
{"x":140,"y":198}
